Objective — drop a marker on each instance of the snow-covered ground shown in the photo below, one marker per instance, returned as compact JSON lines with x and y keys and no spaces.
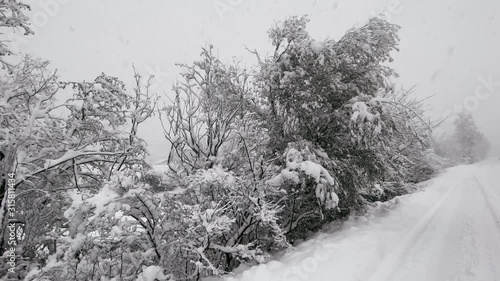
{"x":450,"y":230}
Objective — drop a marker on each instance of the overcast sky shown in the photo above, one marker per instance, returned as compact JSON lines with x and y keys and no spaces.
{"x":450,"y":49}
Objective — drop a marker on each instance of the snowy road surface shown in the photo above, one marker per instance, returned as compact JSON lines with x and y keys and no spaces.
{"x":449,"y":231}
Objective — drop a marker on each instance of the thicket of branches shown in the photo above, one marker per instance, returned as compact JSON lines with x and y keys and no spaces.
{"x":258,"y":159}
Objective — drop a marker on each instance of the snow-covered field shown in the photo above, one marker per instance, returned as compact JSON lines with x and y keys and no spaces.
{"x":450,"y":230}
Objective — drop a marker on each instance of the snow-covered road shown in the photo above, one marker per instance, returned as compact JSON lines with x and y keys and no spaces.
{"x":448,"y":231}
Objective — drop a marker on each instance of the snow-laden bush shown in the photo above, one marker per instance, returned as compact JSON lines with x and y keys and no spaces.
{"x":107,"y":235}
{"x":309,"y":190}
{"x":210,"y":225}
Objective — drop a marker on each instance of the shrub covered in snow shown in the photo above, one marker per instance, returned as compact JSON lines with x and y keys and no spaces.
{"x":309,"y":190}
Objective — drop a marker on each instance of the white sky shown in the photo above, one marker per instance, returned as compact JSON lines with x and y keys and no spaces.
{"x":445,"y":45}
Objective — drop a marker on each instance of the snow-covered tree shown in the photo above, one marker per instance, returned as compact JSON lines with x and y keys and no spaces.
{"x":202,"y":117}
{"x":216,"y":181}
{"x":306,"y":82}
{"x":472,"y":143}
{"x":466,"y":143}
{"x":53,"y":147}
{"x":339,"y":96}
{"x":12,"y":18}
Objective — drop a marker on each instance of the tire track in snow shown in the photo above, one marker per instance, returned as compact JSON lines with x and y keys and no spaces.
{"x":396,"y":256}
{"x":495,"y":213}
{"x":486,"y":229}
{"x":470,"y":265}
{"x":489,"y":194}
